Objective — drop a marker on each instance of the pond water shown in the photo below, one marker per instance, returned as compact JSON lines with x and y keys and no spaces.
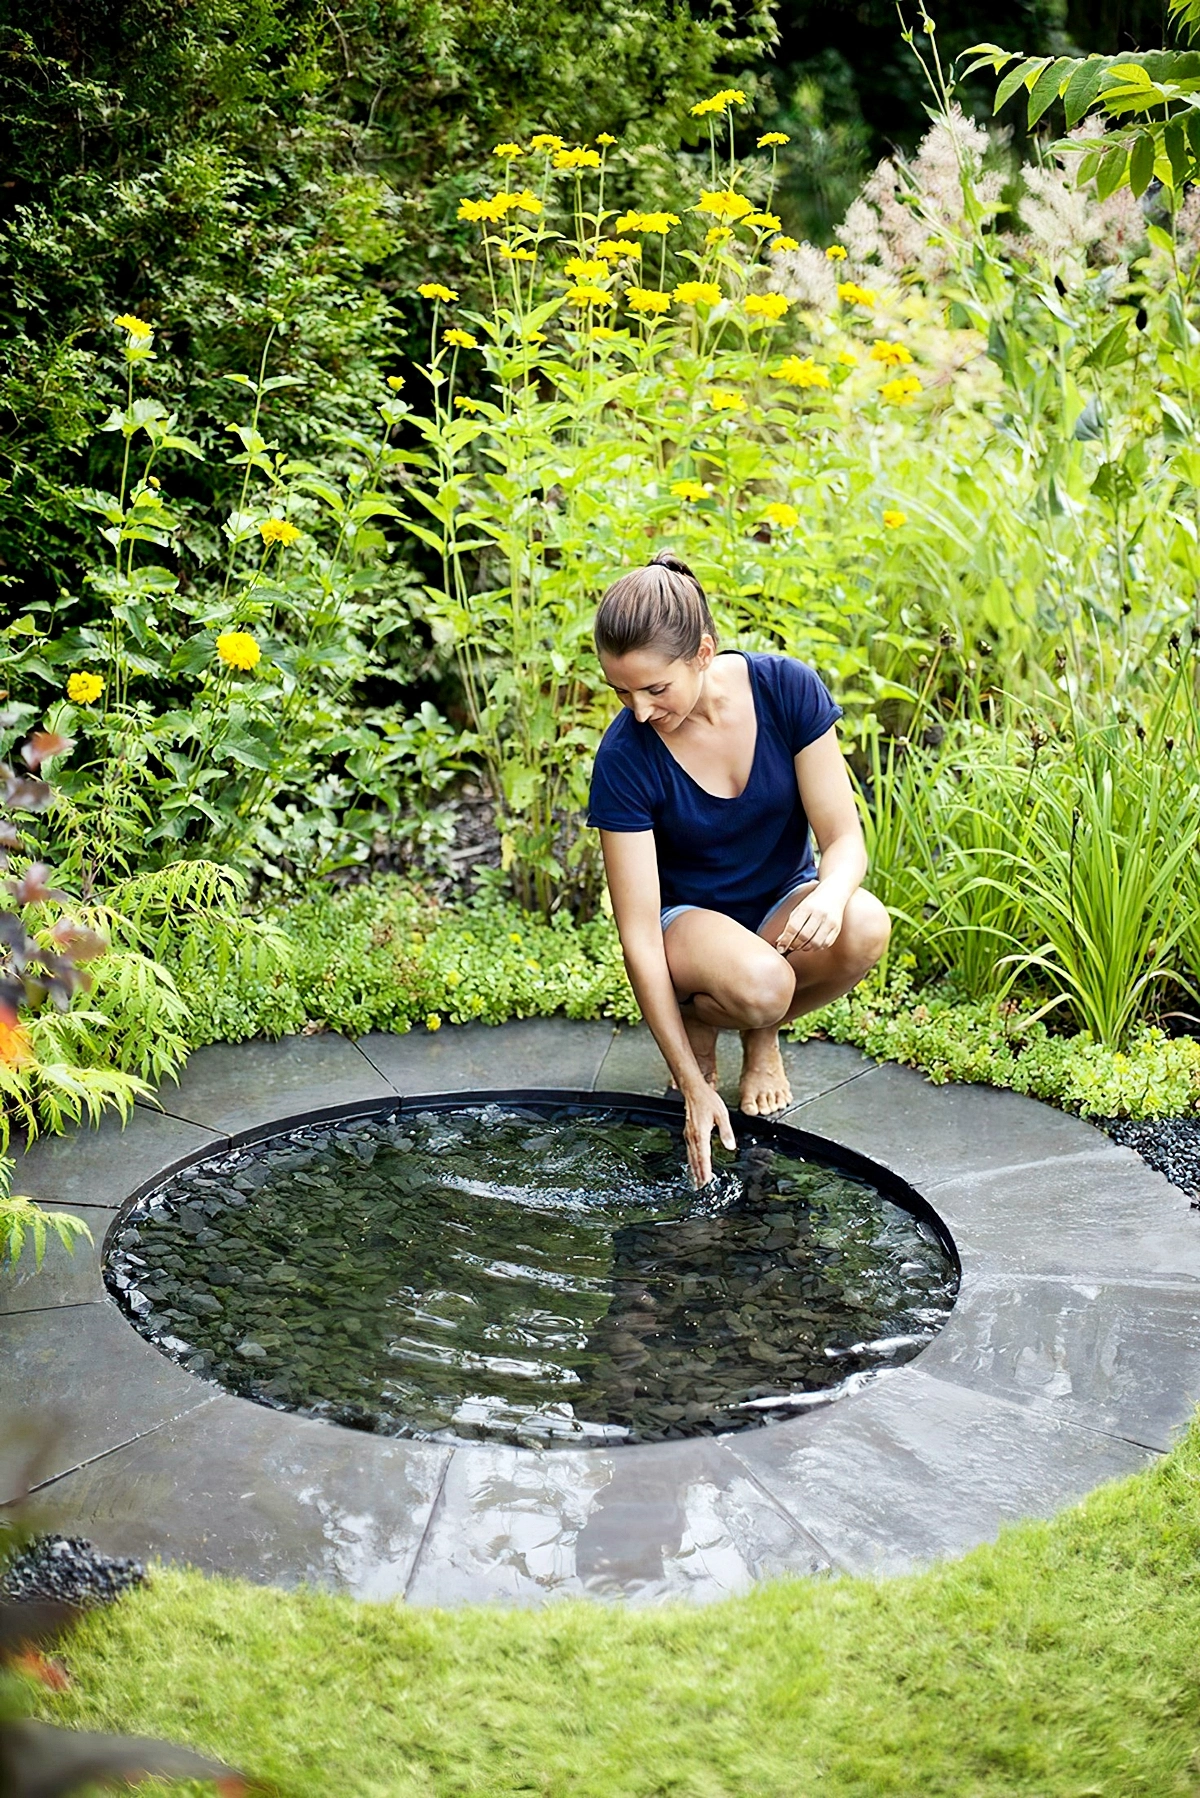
{"x":534,"y":1275}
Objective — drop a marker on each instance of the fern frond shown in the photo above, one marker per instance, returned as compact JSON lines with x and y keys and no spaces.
{"x":22,"y":1218}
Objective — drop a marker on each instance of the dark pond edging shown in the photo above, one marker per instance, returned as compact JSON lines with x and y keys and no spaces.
{"x":1072,"y":1356}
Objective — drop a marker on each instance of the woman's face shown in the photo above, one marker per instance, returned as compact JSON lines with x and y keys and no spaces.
{"x":655,"y":689}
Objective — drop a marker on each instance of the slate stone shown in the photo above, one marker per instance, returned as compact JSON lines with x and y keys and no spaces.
{"x":643,"y":1524}
{"x":913,"y":1469}
{"x":237,"y":1088}
{"x":1109,"y":1355}
{"x":929,"y":1133}
{"x":634,"y":1065}
{"x":234,"y":1488}
{"x":554,"y":1052}
{"x":66,"y":1277}
{"x":102,"y":1167}
{"x":1103,"y":1212}
{"x":78,"y":1382}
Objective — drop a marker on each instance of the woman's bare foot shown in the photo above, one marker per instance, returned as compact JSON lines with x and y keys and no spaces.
{"x":703,"y":1038}
{"x":764,"y":1085}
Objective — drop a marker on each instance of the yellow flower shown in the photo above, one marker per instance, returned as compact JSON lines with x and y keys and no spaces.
{"x":835,"y":253}
{"x":854,"y":295}
{"x":583,"y":270}
{"x":465,"y":404}
{"x":893,"y":520}
{"x":433,"y":1021}
{"x":723,"y":399}
{"x":577,"y":159}
{"x":489,"y":211}
{"x":770,"y":139}
{"x":689,"y":490}
{"x":525,"y":200}
{"x":84,"y":688}
{"x":433,"y":290}
{"x":613,"y":248}
{"x":784,"y":243}
{"x":395,"y":382}
{"x":511,"y":255}
{"x":766,"y":305}
{"x":800,"y":371}
{"x":606,"y":138}
{"x":892,"y":355}
{"x":647,"y":299}
{"x":728,"y":96}
{"x":761,"y":221}
{"x":278,"y":530}
{"x":507,"y":150}
{"x":847,"y":358}
{"x":723,"y":203}
{"x":545,"y":140}
{"x":717,"y":234}
{"x":137,"y":328}
{"x":453,"y":977}
{"x":238,"y":649}
{"x":587,"y":294}
{"x":900,"y":391}
{"x":644,"y":222}
{"x":514,"y":936}
{"x":461,"y":340}
{"x":781,"y":514}
{"x":697,"y":293}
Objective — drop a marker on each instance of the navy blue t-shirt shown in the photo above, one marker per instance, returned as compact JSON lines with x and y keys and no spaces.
{"x":735,"y":856}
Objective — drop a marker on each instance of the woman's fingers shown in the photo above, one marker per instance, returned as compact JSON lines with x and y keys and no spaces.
{"x":704,"y":1115}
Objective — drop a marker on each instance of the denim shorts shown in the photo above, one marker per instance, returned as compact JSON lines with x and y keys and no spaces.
{"x":669,"y":913}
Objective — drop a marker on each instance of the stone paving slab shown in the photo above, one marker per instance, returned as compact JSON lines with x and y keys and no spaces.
{"x":104,"y":1166}
{"x":80,"y":1382}
{"x":1102,"y":1212}
{"x":927,"y":1133}
{"x":66,"y":1276}
{"x":914,"y":1469}
{"x":234,"y":1488}
{"x":634,"y":1065}
{"x":528,"y":1052}
{"x":235,"y":1088}
{"x":1117,"y":1356}
{"x":682,"y":1521}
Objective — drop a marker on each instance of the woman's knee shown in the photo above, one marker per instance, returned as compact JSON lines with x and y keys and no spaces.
{"x":866,"y":930}
{"x":762,"y":991}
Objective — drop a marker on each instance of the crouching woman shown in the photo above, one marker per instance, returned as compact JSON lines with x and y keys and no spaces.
{"x":705,"y":788}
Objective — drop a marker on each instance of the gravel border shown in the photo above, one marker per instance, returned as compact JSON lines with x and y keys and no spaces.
{"x":1169,"y":1145}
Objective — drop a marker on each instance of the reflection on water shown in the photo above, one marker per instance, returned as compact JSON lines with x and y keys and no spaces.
{"x":498,"y":1272}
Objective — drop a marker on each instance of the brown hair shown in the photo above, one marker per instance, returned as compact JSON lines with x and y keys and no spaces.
{"x":661,"y":606}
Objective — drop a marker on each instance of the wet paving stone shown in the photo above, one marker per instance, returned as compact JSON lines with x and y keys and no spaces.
{"x":529,"y":1052}
{"x":67,"y":1276}
{"x":234,"y":1088}
{"x":643,"y":1525}
{"x":234,"y":1489}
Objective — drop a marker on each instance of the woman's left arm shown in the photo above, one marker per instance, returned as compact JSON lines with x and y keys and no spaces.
{"x":828,"y":800}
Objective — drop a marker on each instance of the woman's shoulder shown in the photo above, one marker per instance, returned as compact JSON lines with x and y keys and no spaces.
{"x":803,"y":702}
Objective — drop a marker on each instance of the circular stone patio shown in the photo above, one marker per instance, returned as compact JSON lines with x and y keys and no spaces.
{"x":1072,"y":1357}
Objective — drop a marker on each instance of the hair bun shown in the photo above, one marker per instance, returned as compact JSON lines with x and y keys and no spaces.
{"x":666,"y":558}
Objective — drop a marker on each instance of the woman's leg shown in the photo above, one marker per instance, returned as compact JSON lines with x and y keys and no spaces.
{"x":727,"y":978}
{"x":821,"y":975}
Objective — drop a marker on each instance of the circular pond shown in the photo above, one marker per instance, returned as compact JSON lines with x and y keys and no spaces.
{"x":534,"y":1271}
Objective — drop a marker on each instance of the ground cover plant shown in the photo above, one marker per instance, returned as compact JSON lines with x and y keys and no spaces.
{"x":1058,"y":1662}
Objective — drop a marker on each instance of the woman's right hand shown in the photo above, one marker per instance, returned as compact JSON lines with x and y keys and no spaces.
{"x":705,"y":1112}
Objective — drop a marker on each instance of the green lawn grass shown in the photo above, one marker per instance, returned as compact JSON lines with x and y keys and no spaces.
{"x":1062,"y":1661}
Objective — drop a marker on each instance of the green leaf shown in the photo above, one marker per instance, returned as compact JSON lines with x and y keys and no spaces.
{"x":1175,"y":145}
{"x":1141,"y":163}
{"x":1112,"y":171}
{"x":1046,"y":88}
{"x":1027,"y":72}
{"x":1081,"y":90}
{"x":1112,"y":348}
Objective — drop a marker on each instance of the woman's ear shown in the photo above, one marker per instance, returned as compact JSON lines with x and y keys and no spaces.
{"x":703,"y":658}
